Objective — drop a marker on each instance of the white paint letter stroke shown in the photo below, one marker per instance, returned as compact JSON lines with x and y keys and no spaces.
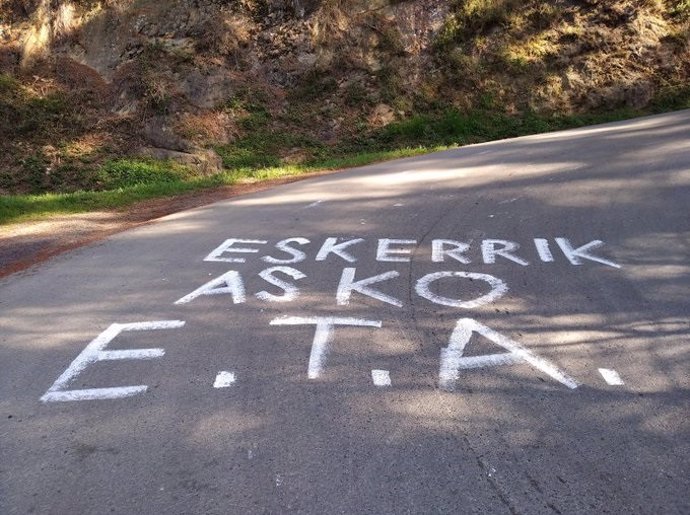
{"x":457,"y":250}
{"x":224,"y":379}
{"x":611,"y":377}
{"x":348,"y":285}
{"x":291,"y":291}
{"x":331,"y":246}
{"x":576,"y":255}
{"x":230,"y":282}
{"x":385,"y":253}
{"x":227,"y":246}
{"x":322,"y":336}
{"x":498,"y":289}
{"x":95,"y":351}
{"x":381,"y":378}
{"x":489,"y":251}
{"x":452,"y":359}
{"x":297,"y":255}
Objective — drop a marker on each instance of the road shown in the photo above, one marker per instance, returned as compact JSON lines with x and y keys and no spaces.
{"x":501,"y":328}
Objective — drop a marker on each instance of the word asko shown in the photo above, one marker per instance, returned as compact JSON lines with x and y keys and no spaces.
{"x":292,"y":251}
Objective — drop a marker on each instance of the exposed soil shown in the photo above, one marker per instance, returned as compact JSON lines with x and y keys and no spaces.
{"x":23,"y":245}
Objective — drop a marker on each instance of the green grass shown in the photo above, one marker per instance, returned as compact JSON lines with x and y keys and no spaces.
{"x":680,"y":8}
{"x":124,"y":173}
{"x":456,"y":129}
{"x":257,"y":156}
{"x":18,"y":208}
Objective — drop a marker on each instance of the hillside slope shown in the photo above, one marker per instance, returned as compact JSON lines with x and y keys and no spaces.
{"x":87,"y":85}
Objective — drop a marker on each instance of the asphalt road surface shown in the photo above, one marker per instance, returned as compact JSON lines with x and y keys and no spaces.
{"x":501,"y":328}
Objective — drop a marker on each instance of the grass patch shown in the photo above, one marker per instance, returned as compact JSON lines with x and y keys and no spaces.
{"x":680,"y":8}
{"x":25,"y":207}
{"x":17,"y":208}
{"x":672,"y":98}
{"x":475,"y":17}
{"x":452,"y":128}
{"x":124,"y":173}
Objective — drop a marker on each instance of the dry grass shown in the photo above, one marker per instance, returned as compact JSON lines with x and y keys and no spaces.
{"x":561,"y":57}
{"x":225,"y":35}
{"x":86,"y":146}
{"x":210,"y":127}
{"x":331,"y":22}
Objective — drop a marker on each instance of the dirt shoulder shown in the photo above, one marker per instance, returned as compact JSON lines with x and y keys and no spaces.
{"x":26,"y":244}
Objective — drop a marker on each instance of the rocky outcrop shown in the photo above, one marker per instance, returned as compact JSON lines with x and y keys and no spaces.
{"x":204,"y":161}
{"x":186,"y":56}
{"x":182,"y":75}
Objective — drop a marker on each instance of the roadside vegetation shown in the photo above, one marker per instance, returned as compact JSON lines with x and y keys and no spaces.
{"x":251,"y":90}
{"x":126,"y":181}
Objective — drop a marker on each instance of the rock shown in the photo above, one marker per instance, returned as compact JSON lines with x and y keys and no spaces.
{"x":382,"y":115}
{"x":418,"y":23}
{"x":204,"y":161}
{"x":296,"y":156}
{"x":207,"y":91}
{"x":307,"y":59}
{"x":639,"y":94}
{"x":372,"y":62}
{"x":161,"y":135}
{"x":183,"y":45}
{"x":104,"y":39}
{"x":324,"y":58}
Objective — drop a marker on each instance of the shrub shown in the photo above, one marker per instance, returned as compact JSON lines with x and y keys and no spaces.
{"x":121,"y":173}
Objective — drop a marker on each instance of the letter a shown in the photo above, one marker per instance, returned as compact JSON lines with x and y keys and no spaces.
{"x":230,"y":282}
{"x":452,"y":359}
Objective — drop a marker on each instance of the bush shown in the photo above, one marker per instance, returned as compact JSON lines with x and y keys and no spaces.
{"x":122,"y":173}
